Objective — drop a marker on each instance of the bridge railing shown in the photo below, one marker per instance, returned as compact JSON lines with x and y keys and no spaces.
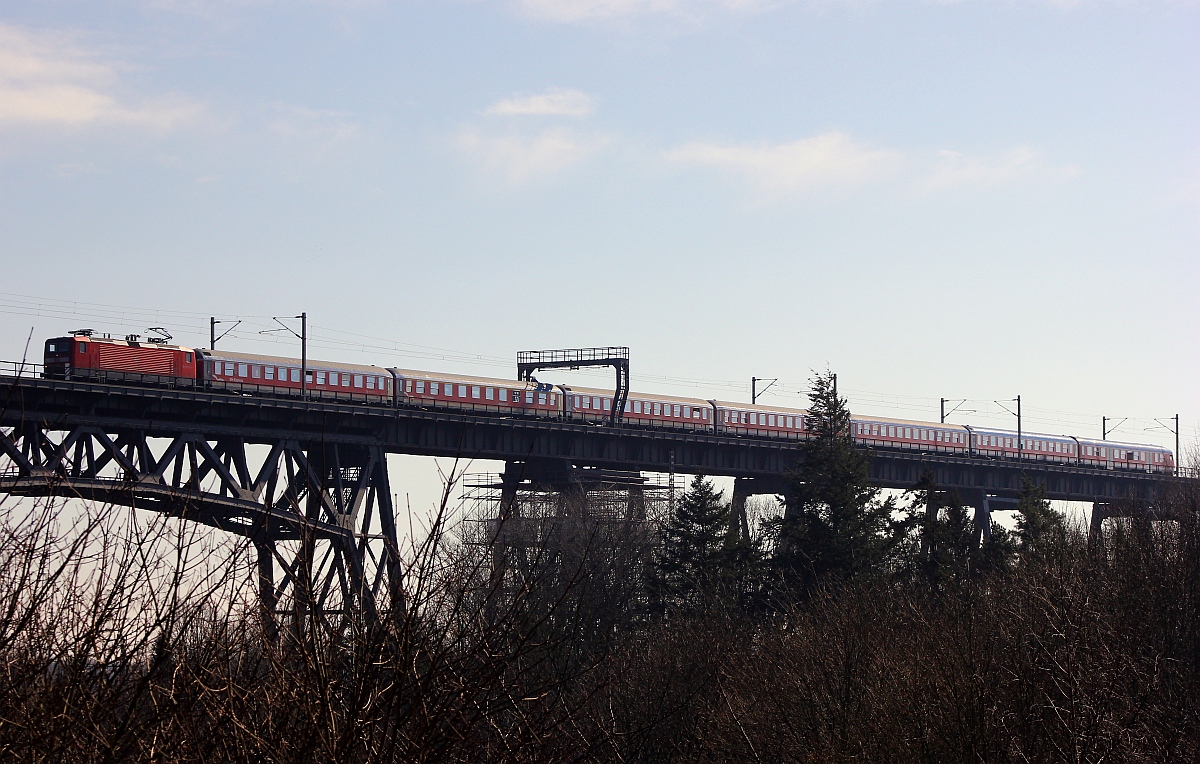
{"x":21,"y":369}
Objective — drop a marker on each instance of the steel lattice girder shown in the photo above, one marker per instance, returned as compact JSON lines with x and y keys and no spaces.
{"x":432,"y":432}
{"x":333,"y":500}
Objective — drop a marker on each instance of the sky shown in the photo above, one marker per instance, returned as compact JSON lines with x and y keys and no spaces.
{"x":972,"y":199}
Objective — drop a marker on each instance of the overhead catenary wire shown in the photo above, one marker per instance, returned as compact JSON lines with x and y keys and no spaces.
{"x":121,"y":319}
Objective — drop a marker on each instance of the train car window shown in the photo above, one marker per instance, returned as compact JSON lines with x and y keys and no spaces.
{"x":675,"y":410}
{"x":462,"y":391}
{"x":270,"y":373}
{"x":243,"y":370}
{"x":528,"y":396}
{"x":541,"y":399}
{"x":370,"y":382}
{"x":256,"y":371}
{"x":606,"y":403}
{"x":187,"y":357}
{"x":83,"y":346}
{"x":595,"y":403}
{"x":489,"y":394}
{"x":320,"y":378}
{"x":504,"y":395}
{"x":687,"y":412}
{"x":420,"y":386}
{"x":294,"y":374}
{"x":475,"y":392}
{"x":333,"y":380}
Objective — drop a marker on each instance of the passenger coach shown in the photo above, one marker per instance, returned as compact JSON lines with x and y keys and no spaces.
{"x":84,"y":356}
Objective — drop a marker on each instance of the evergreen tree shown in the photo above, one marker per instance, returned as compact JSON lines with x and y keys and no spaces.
{"x":1039,"y":527}
{"x":944,"y":550}
{"x":995,"y":554}
{"x":834,"y":524}
{"x":946,"y":533}
{"x":694,"y":557}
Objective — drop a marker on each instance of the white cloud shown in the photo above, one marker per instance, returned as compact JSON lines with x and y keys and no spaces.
{"x":45,"y":78}
{"x":829,"y":160}
{"x":955,"y":170}
{"x":521,"y":158}
{"x":555,"y":102}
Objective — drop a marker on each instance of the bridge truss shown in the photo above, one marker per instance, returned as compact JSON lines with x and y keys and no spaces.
{"x":319,"y":516}
{"x":306,"y":482}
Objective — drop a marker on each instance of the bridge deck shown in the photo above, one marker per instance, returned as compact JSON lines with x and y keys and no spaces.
{"x":168,"y":413}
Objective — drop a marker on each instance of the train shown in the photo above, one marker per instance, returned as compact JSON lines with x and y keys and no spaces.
{"x":85,"y":356}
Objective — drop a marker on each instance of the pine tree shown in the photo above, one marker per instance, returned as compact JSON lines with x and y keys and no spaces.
{"x":694,"y":557}
{"x":995,"y":554}
{"x":834,"y":524}
{"x":1039,"y":527}
{"x":943,"y":551}
{"x":945,"y":532}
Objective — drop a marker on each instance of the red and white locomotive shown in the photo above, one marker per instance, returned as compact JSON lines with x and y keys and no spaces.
{"x":83,"y":356}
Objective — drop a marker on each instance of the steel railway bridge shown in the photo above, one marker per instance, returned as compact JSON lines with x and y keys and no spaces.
{"x":307,"y":482}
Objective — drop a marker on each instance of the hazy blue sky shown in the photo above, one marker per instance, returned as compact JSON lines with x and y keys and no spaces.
{"x":963,"y":199}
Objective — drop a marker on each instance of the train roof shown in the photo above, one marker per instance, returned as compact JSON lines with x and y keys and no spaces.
{"x":1069,"y":438}
{"x":760,"y":407}
{"x":127,"y":343}
{"x":641,"y":396}
{"x":1120,"y":444}
{"x":1039,"y":435}
{"x":311,"y":364}
{"x":906,"y":422}
{"x":437,"y":376}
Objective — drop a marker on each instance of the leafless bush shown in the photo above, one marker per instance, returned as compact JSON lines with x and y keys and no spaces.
{"x":134,"y":638}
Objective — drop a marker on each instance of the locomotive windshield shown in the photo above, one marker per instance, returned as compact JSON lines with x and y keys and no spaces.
{"x":58,"y":346}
